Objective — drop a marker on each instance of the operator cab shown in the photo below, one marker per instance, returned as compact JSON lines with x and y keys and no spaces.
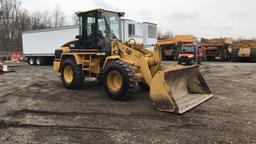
{"x":96,"y":30}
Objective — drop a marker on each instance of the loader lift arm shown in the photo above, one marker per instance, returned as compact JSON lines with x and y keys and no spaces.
{"x":146,"y":62}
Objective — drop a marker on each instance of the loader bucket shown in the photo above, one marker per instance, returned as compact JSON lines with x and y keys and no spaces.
{"x":178,"y":89}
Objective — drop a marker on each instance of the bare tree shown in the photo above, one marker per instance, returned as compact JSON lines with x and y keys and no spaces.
{"x":75,"y":20}
{"x":40,"y":21}
{"x":168,"y":34}
{"x":14,"y":20}
{"x":9,"y":24}
{"x":58,"y":17}
{"x":159,"y":34}
{"x":47,"y":19}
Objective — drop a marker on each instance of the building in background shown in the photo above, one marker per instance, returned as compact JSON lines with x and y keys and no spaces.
{"x":141,"y":32}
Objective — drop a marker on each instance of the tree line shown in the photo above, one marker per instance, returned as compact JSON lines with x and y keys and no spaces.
{"x":14,"y":20}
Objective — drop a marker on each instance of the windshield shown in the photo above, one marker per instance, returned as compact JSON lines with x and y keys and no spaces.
{"x":113,"y":24}
{"x":187,"y":49}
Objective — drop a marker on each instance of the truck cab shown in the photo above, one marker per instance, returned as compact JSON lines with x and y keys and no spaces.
{"x":190,"y":54}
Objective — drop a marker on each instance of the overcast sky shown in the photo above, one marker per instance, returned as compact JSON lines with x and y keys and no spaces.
{"x":202,"y":18}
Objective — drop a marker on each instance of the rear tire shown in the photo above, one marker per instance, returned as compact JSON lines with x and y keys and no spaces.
{"x":179,"y":61}
{"x":223,"y":54}
{"x":71,"y":75}
{"x":163,"y":55}
{"x":199,"y":62}
{"x":32,"y":61}
{"x":191,"y":62}
{"x":40,"y":61}
{"x":119,"y":80}
{"x":253,"y":55}
{"x":234,"y":55}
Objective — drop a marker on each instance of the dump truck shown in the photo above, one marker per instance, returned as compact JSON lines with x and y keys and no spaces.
{"x":244,"y":50}
{"x":170,"y":48}
{"x":217,"y":48}
{"x":121,"y":66}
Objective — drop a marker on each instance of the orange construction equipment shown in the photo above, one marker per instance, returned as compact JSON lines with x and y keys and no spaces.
{"x":244,"y":50}
{"x":217,"y":48}
{"x":170,"y":47}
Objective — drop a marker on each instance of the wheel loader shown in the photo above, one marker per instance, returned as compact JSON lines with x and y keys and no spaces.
{"x":121,"y":66}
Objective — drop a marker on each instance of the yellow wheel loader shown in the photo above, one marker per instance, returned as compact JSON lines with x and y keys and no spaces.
{"x":121,"y":66}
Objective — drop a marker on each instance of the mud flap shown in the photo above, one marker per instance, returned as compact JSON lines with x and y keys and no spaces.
{"x":178,"y":89}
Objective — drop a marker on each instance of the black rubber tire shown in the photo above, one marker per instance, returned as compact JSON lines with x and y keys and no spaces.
{"x":143,"y":86}
{"x":32,"y":61}
{"x":253,"y":55}
{"x":78,"y":77}
{"x":223,"y":54}
{"x":191,"y":62}
{"x":234,"y":55}
{"x":163,"y":55}
{"x":179,"y":62}
{"x":40,"y":61}
{"x":199,"y":62}
{"x":100,"y":79}
{"x":209,"y":58}
{"x":128,"y":76}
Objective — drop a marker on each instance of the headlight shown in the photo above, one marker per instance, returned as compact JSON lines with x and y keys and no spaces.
{"x":190,"y":56}
{"x":116,"y":52}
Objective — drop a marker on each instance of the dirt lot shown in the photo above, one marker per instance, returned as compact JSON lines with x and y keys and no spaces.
{"x":36,"y":108}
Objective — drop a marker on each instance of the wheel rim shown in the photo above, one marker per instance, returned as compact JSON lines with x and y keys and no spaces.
{"x":68,"y":74}
{"x":114,"y":81}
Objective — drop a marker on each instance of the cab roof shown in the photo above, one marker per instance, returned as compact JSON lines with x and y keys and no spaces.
{"x":98,"y":10}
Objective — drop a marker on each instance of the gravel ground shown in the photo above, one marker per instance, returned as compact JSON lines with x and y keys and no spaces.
{"x":36,"y":108}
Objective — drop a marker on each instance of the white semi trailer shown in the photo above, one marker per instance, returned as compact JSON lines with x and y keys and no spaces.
{"x":39,"y":46}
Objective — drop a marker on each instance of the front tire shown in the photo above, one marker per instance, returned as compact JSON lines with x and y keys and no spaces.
{"x":119,"y":80}
{"x":144,"y":86}
{"x":253,"y":55}
{"x":71,"y":75}
{"x":223,"y":55}
{"x":191,"y":62}
{"x":234,"y":55}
